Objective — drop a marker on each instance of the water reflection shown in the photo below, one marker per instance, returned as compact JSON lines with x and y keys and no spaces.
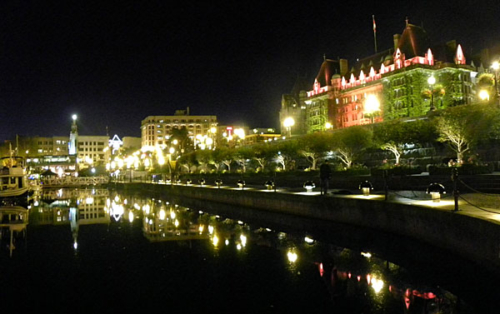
{"x":354,"y":281}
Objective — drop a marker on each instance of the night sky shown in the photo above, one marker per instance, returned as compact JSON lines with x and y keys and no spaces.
{"x":115,"y":63}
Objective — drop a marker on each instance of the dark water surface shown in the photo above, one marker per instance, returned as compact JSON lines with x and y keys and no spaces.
{"x":94,"y":251}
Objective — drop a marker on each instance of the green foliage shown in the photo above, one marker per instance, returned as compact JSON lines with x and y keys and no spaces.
{"x":313,"y":146}
{"x":463,"y":127}
{"x":182,"y":136}
{"x":350,"y":142}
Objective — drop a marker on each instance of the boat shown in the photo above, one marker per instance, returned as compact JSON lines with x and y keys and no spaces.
{"x":13,"y":223}
{"x":13,"y":177}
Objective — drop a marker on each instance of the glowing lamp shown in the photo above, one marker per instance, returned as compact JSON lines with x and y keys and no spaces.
{"x":189,"y":181}
{"x":241,"y":184}
{"x":269,"y":184}
{"x":366,"y":187}
{"x":218,"y":182}
{"x":178,"y":181}
{"x":309,"y":186}
{"x":201,"y":181}
{"x":435,"y":190}
{"x":484,"y":95}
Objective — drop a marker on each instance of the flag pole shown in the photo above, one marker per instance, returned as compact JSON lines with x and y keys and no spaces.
{"x":374,"y":32}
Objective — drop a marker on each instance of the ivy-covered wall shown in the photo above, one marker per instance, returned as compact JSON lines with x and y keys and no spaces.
{"x":408,"y":94}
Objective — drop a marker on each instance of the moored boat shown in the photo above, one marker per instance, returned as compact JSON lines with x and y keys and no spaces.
{"x":13,"y":177}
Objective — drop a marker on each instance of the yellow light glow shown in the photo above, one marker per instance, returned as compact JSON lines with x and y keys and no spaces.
{"x":366,"y":254}
{"x":431,"y":80}
{"x":328,"y":125}
{"x":213,"y":130}
{"x":240,"y":133}
{"x":372,"y":104}
{"x":484,"y":95}
{"x":292,"y":256}
{"x":163,"y":214}
{"x":171,"y":150}
{"x":377,"y":284}
{"x":131,"y":216}
{"x":243,"y":240}
{"x":308,"y":240}
{"x":495,"y":65}
{"x":215,"y":240}
{"x":288,"y":122}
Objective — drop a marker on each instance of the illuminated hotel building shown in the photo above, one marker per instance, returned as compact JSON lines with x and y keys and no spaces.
{"x":156,"y":130}
{"x":92,"y":150}
{"x":397,"y":77}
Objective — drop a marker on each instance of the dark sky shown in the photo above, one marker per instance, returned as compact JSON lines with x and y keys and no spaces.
{"x":114,"y":63}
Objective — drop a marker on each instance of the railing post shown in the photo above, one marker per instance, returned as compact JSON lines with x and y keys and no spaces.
{"x":454,"y":178}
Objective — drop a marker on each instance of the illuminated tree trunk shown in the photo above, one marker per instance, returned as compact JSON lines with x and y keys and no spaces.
{"x":311,"y":158}
{"x":395,"y":149}
{"x":346,"y":157}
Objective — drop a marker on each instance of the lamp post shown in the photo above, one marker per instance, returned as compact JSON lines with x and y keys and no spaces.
{"x":432,"y":80}
{"x":372,"y":105}
{"x":288,"y":123}
{"x":496,"y":66}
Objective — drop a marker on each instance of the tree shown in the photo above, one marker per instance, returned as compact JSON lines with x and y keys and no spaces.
{"x":184,"y":143}
{"x":463,"y":127}
{"x":286,"y":153}
{"x":314,"y":146}
{"x":203,"y":157}
{"x":263,"y":153}
{"x":242,"y":156}
{"x":223,"y":155}
{"x":350,"y":142}
{"x":394,"y":135}
{"x":486,"y":82}
{"x":188,"y":161}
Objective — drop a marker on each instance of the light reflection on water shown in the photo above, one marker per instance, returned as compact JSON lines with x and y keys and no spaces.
{"x":343,"y":279}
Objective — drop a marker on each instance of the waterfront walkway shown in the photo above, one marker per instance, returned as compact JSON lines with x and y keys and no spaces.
{"x":474,"y":204}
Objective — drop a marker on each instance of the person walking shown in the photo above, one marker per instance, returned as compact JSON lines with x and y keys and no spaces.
{"x":324,"y":175}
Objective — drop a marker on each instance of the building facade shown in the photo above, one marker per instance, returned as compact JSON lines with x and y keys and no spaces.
{"x":408,"y":80}
{"x":156,"y":130}
{"x":92,"y":150}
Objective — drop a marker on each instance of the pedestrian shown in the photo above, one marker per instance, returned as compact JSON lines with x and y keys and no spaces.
{"x":324,"y":175}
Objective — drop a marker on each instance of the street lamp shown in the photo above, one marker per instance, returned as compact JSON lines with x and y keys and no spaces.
{"x":372,"y":105}
{"x":432,"y":80}
{"x":288,"y":123}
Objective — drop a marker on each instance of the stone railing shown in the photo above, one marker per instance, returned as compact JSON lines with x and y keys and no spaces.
{"x":74,"y":181}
